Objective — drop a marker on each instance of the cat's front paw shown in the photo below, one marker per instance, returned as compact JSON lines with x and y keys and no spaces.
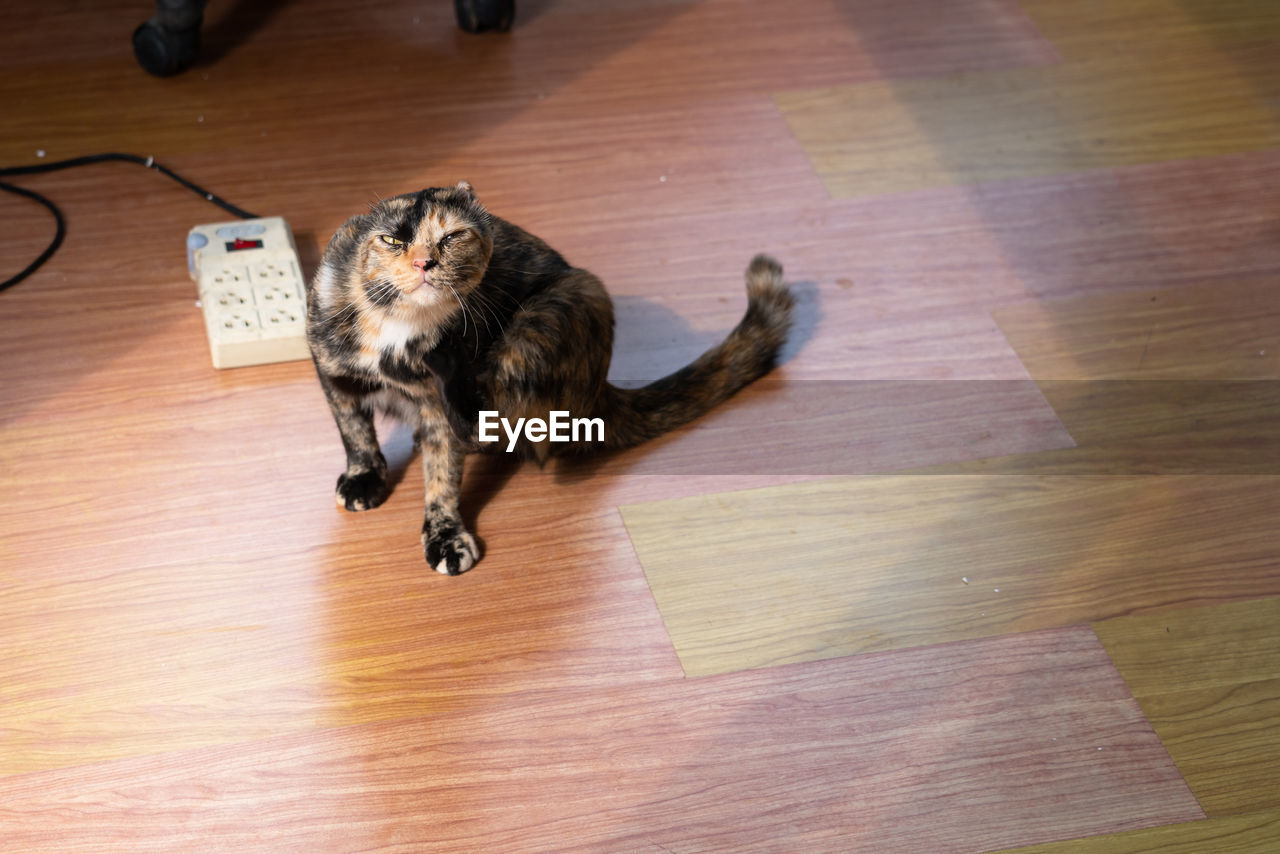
{"x":449,"y":549}
{"x":362,"y":489}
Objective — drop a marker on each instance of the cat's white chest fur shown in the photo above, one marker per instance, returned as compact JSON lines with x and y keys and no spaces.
{"x":394,"y":334}
{"x":389,"y":336}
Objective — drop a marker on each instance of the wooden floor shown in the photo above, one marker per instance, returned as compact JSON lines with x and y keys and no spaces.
{"x":989,"y":563}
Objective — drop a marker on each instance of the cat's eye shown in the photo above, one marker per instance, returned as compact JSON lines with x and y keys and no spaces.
{"x":391,"y":241}
{"x":449,"y":238}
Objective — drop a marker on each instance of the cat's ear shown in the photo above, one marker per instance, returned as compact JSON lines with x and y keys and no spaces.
{"x":467,"y":189}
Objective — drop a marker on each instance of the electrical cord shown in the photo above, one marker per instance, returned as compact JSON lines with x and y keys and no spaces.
{"x":59,"y":233}
{"x":60,"y":225}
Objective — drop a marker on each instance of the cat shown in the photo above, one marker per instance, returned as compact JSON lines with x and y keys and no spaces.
{"x":433,"y":309}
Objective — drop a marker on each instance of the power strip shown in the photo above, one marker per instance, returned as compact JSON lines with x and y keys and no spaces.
{"x":251,"y":291}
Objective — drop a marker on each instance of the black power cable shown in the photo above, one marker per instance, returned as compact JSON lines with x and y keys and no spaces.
{"x":61,"y":230}
{"x":59,"y":233}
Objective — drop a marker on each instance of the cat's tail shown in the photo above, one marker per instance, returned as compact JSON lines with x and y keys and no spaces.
{"x":632,"y":416}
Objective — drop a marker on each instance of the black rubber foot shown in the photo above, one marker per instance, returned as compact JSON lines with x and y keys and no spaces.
{"x":164,"y":52}
{"x":476,"y":16}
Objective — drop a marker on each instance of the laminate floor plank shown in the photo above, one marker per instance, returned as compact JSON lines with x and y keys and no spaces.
{"x":1178,"y":380}
{"x":1255,"y":833}
{"x":1015,"y":738}
{"x":808,"y":571}
{"x":1159,"y":88}
{"x":1209,"y":681}
{"x":1220,"y":331}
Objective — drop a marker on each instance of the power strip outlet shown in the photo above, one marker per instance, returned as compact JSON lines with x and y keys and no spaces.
{"x":251,"y":291}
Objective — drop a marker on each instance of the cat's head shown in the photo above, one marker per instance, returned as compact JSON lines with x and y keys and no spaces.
{"x":425,"y":250}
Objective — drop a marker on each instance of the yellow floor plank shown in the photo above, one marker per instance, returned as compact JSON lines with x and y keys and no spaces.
{"x":886,"y":137}
{"x":1168,"y":83}
{"x":1167,"y":27}
{"x":868,"y":139}
{"x":809,"y":571}
{"x":1209,"y":681}
{"x":1213,"y":331}
{"x":1196,"y":648}
{"x":1225,"y":741}
{"x":1246,"y":834}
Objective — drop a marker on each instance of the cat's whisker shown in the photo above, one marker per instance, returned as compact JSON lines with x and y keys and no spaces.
{"x":488,"y":301}
{"x":343,"y":313}
{"x":488,"y":310}
{"x":461,"y":306}
{"x":485,"y":318}
{"x":381,"y":287}
{"x":512,"y":270}
{"x":487,"y":328}
{"x":482,"y":317}
{"x":340,"y":314}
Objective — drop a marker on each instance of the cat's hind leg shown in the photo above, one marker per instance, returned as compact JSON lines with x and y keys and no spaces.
{"x":449,"y":547}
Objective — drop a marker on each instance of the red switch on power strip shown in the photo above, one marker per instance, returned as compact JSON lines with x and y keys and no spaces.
{"x":242,"y":243}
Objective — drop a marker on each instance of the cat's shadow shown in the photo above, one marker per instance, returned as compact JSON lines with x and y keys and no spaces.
{"x":651,"y":341}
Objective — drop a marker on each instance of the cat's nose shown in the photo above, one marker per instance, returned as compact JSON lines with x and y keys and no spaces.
{"x":423,"y":264}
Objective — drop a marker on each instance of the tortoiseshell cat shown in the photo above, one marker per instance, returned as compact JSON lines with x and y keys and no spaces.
{"x":433,"y":309}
